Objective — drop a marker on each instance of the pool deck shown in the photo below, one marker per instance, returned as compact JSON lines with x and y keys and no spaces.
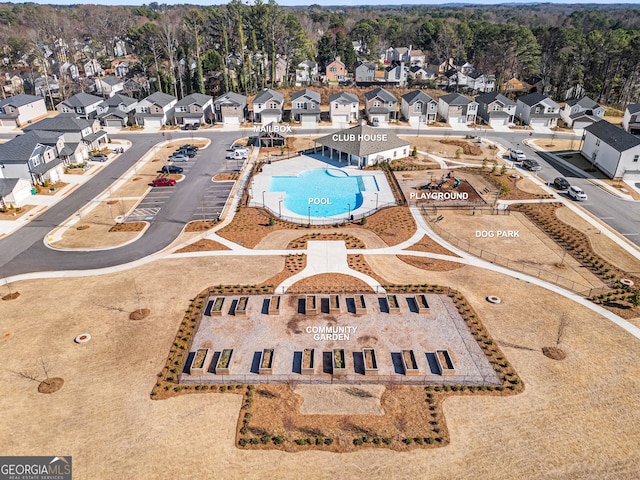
{"x":260,"y":188}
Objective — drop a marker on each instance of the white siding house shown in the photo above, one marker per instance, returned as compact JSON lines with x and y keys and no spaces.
{"x":611,"y":149}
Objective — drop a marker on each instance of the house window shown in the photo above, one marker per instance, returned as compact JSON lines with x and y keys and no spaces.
{"x":537,"y":109}
{"x":376,"y":104}
{"x":597,"y":142}
{"x":333,"y":70}
{"x":418,"y":107}
{"x":495,"y":108}
{"x":635,"y":158}
{"x":35,"y":161}
{"x":395,"y":153}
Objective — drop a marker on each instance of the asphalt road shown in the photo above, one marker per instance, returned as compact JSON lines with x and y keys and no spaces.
{"x":24,"y":250}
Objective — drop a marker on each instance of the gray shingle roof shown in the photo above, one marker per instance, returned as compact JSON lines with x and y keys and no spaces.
{"x":532,"y":98}
{"x":306,"y":95}
{"x":415,"y":96}
{"x":613,"y":136}
{"x":361,"y":147}
{"x":81,"y":100}
{"x":195,"y":98}
{"x":344,"y":98}
{"x":112,"y":80}
{"x":19,"y":100}
{"x":19,"y":149}
{"x":633,"y":108}
{"x":160,"y":98}
{"x":584,"y":102}
{"x":117,"y":99}
{"x":456,"y":99}
{"x":231,"y":98}
{"x":382,"y":94}
{"x":60,"y":124}
{"x":268,"y":94}
{"x":490,"y":97}
{"x":43,"y":168}
{"x":7,"y":185}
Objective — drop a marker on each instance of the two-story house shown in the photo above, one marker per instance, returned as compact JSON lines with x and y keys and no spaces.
{"x":456,"y":109}
{"x":26,"y":158}
{"x":336,"y":71}
{"x":156,"y":110}
{"x":230,"y":109}
{"x":74,"y":130}
{"x":456,"y":80}
{"x":631,"y":119}
{"x":306,"y":72}
{"x":194,"y":109}
{"x":117,"y":111}
{"x":381,"y":106}
{"x":421,"y":74}
{"x":479,"y":82}
{"x":344,"y":108}
{"x":537,"y":110}
{"x":417,"y":58}
{"x":109,"y":86}
{"x":68,"y":152}
{"x":396,"y":74}
{"x":364,"y":72}
{"x":305,"y":107}
{"x":611,"y":149}
{"x":581,"y":113}
{"x":21,"y":110}
{"x":418,"y":107}
{"x":495,"y":110}
{"x":267,"y":107}
{"x":281,"y":70}
{"x":82,"y":105}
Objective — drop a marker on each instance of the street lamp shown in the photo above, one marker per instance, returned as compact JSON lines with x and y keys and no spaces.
{"x":376,"y":199}
{"x":309,"y":215}
{"x":349,"y":210}
{"x":263,"y":198}
{"x":280,"y":207}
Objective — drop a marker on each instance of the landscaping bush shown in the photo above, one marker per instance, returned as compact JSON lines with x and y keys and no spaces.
{"x":242,"y":442}
{"x":328,"y":441}
{"x":357,"y":441}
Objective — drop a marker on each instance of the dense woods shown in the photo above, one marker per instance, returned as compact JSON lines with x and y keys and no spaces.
{"x":597,"y":47}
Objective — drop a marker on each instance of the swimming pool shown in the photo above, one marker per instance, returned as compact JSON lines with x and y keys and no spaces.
{"x":329,"y":192}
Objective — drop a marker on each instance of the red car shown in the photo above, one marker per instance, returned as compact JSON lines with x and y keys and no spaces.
{"x":163,"y":182}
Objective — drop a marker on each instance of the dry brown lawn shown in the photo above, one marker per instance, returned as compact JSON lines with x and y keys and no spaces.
{"x":578,"y":418}
{"x":557,"y":144}
{"x":433,"y":145}
{"x":202,"y":246}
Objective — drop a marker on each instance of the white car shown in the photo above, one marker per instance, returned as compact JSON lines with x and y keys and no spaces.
{"x":178,"y":158}
{"x":577,"y":193}
{"x":238,"y":155}
{"x":517,"y":155}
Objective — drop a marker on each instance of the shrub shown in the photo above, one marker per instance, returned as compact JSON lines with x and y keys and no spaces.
{"x":265,"y":439}
{"x":242,"y":442}
{"x":377,"y":441}
{"x":244,"y":430}
{"x":408,"y":441}
{"x":254,"y":441}
{"x":278,"y":440}
{"x":328,"y":441}
{"x":386,"y":440}
{"x":357,"y":441}
{"x":428,"y":440}
{"x":301,"y":441}
{"x":419,"y":440}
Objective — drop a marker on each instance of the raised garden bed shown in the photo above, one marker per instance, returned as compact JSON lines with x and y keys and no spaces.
{"x":274,"y":305}
{"x":421,"y":303}
{"x":308,"y":362}
{"x":409,"y":363}
{"x":311,"y":305}
{"x":338,"y":359}
{"x":216,"y":308}
{"x":392,"y":303}
{"x":223,"y":367}
{"x":370,"y":362}
{"x":266,"y":362}
{"x":334,"y":304}
{"x":201,"y":361}
{"x":361,"y":305}
{"x":241,"y":306}
{"x":445,"y":363}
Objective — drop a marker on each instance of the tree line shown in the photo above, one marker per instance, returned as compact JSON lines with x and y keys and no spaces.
{"x":597,"y":47}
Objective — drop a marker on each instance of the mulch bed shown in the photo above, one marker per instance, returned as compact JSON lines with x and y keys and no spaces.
{"x":128,"y":227}
{"x":554,"y":353}
{"x":427,"y":244}
{"x":200,"y":225}
{"x":51,"y":385}
{"x":226,"y":177}
{"x":139,"y":314}
{"x":330,"y":283}
{"x":11,"y":296}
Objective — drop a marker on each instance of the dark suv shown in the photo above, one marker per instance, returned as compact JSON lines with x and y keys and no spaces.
{"x":561,"y":183}
{"x":171,"y":169}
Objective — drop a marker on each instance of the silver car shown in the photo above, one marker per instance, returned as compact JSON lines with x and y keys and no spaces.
{"x":178,"y":158}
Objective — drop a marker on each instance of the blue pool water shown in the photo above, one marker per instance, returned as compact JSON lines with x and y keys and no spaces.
{"x":328,"y":192}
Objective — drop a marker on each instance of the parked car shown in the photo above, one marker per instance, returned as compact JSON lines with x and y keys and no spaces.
{"x":178,"y":157}
{"x":99,"y":157}
{"x":561,"y":183}
{"x":184,"y":151}
{"x":233,"y":148}
{"x":517,"y":155}
{"x":190,"y":147}
{"x":238,"y":155}
{"x":577,"y":193}
{"x":163,"y":182}
{"x":171,"y":169}
{"x":532,"y":165}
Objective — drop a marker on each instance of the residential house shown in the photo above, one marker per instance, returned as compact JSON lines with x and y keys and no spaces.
{"x":381,"y":106}
{"x":194,"y":109}
{"x":420,"y":74}
{"x":109,"y":86}
{"x":344,"y":108}
{"x":494,"y":109}
{"x":536,"y":84}
{"x":13,"y":85}
{"x":456,"y":80}
{"x":418,"y":107}
{"x":82,"y":105}
{"x":417,"y":58}
{"x":46,"y":85}
{"x":92,"y":68}
{"x":306,"y":72}
{"x":13,"y":192}
{"x":537,"y":110}
{"x":364,"y":72}
{"x":267,"y":107}
{"x":230,"y":109}
{"x":214,"y":83}
{"x":26,"y":158}
{"x":631,"y":119}
{"x":122,"y":69}
{"x":21,"y":110}
{"x":69,"y":152}
{"x":358,"y":47}
{"x":156,"y":110}
{"x":117,"y":111}
{"x":581,"y":113}
{"x":397,"y":55}
{"x":457,"y":109}
{"x":514,"y":85}
{"x":281,"y":70}
{"x":396,"y":74}
{"x":479,"y":82}
{"x":611,"y":149}
{"x":74,"y":130}
{"x":444,"y":66}
{"x":305,"y":107}
{"x":336,"y":71}
{"x":69,"y":71}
